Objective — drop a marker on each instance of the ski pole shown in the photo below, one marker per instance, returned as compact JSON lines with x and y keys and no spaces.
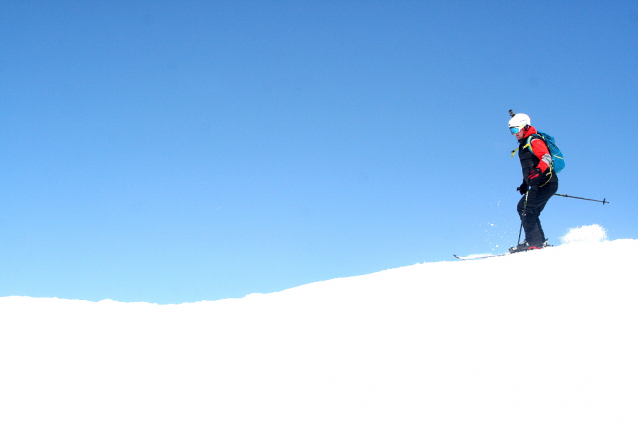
{"x":604,"y":201}
{"x":523,"y":216}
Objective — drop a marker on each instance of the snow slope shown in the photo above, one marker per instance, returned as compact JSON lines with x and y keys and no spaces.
{"x":500,"y":341}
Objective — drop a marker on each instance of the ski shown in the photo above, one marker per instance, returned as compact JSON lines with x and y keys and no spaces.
{"x":486,"y":256}
{"x":480,"y":256}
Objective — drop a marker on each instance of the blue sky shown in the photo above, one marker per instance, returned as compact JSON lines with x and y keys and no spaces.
{"x":171,"y":151}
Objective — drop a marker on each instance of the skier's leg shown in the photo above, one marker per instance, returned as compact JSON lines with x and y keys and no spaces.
{"x":535,"y":206}
{"x":520,"y":207}
{"x":531,"y":224}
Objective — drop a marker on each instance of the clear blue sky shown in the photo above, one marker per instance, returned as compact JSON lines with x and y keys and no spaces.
{"x":169,"y":152}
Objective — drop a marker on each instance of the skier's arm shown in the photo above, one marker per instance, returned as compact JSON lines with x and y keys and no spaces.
{"x":540,"y":150}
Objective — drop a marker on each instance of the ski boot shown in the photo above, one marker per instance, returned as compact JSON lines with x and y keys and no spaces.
{"x":524,"y":246}
{"x":521,"y":247}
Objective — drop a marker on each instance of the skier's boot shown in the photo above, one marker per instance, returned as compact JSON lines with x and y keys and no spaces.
{"x":525,"y":246}
{"x":521,"y":247}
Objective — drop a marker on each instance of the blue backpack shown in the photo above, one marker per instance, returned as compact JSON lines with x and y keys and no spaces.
{"x":558,"y":162}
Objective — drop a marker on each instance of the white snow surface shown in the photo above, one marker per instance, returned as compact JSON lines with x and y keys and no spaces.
{"x":548,"y":337}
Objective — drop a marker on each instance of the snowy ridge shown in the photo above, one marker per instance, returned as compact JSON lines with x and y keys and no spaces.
{"x":448,"y":343}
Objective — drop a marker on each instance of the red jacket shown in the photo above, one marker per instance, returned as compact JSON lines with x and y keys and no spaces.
{"x":539,"y":149}
{"x":537,"y":157}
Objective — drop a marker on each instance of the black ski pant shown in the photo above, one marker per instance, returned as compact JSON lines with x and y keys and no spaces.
{"x":537,"y":198}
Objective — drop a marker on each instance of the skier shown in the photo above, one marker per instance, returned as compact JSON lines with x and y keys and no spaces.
{"x":539,"y":181}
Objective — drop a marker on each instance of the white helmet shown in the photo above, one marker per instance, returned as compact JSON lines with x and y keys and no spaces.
{"x":519,"y":120}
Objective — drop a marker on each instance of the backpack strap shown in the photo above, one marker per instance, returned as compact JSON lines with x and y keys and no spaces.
{"x":528,"y":144}
{"x":531,"y":138}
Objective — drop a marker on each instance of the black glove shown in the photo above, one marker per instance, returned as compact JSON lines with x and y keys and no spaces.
{"x":523,"y":188}
{"x":534,"y":177}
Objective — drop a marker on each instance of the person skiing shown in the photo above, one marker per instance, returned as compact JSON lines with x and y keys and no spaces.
{"x":539,"y":181}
